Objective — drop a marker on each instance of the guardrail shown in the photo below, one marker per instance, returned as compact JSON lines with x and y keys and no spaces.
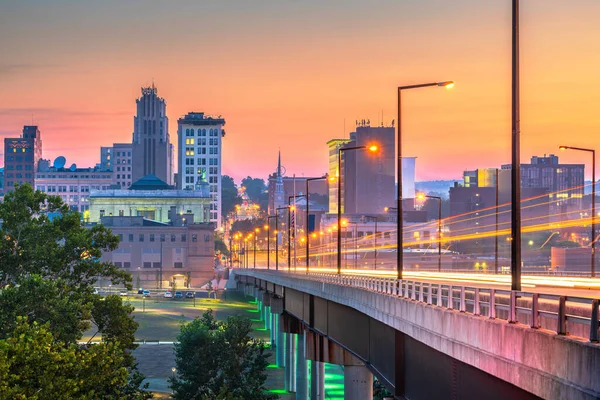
{"x":491,"y":303}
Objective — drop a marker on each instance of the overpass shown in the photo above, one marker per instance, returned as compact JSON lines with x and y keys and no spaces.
{"x":424,"y":339}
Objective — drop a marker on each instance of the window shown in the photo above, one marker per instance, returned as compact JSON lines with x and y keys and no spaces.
{"x":141,"y":237}
{"x":120,"y":237}
{"x":152,"y":237}
{"x":126,"y":264}
{"x":162,"y":237}
{"x":172,"y":237}
{"x":102,"y":212}
{"x":147,"y":264}
{"x":157,"y":265}
{"x":118,"y":265}
{"x":206,"y":238}
{"x":194,"y":237}
{"x":121,"y":213}
{"x":131,"y":237}
{"x":183,"y":237}
{"x":178,"y":265}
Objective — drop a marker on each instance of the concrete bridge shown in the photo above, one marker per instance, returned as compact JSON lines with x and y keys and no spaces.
{"x":427,"y":340}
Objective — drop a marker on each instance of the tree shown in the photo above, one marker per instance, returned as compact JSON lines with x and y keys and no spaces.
{"x":219,"y":360}
{"x":49,"y":267}
{"x":229,"y":195}
{"x":254,"y":188}
{"x":34,"y":365}
{"x":221,"y":247}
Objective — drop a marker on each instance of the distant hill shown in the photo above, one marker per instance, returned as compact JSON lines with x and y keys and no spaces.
{"x":441,"y":187}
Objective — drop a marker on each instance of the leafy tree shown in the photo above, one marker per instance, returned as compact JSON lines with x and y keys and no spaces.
{"x":49,"y":267}
{"x":254,"y":188}
{"x":219,"y":360}
{"x":248,"y":225}
{"x":33,"y":365}
{"x":229,"y":195}
{"x":431,"y":207}
{"x":221,"y":247}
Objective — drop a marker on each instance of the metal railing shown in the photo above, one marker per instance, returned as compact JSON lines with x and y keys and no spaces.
{"x":552,"y":312}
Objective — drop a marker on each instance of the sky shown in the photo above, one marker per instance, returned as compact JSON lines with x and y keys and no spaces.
{"x":291,"y":74}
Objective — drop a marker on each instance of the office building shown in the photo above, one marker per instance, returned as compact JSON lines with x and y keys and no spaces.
{"x":21,"y":156}
{"x":199,"y":156}
{"x":482,"y":177}
{"x":152,"y":149}
{"x":118,"y":160}
{"x":173,"y":255}
{"x":72,"y":184}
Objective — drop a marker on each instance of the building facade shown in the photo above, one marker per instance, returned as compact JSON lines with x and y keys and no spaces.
{"x":152,"y":151}
{"x":118,"y":160}
{"x":174,"y":255}
{"x":150,"y":198}
{"x":21,"y":156}
{"x":200,"y":139}
{"x":72,"y":185}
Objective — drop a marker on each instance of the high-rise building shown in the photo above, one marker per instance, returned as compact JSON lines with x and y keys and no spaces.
{"x":482,"y":177}
{"x":367,"y":180}
{"x":199,"y":156}
{"x":118,"y":160}
{"x":21,"y":156}
{"x":152,"y":151}
{"x":334,"y":146}
{"x":563,"y":181}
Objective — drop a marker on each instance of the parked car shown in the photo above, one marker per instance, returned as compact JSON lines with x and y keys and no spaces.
{"x":178,"y":295}
{"x":141,"y":291}
{"x":146,"y":293}
{"x":189,"y":295}
{"x":123,"y":293}
{"x":168,"y":295}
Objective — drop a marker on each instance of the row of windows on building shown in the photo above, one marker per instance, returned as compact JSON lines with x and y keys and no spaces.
{"x":119,"y":169}
{"x":71,"y":188}
{"x":189,"y":151}
{"x":202,"y":161}
{"x":211,"y":171}
{"x":201,"y":132}
{"x":119,"y":161}
{"x":123,"y":175}
{"x":19,"y":158}
{"x":18,"y":167}
{"x":202,"y":141}
{"x":152,"y":237}
{"x":18,"y":175}
{"x":145,"y":264}
{"x":66,"y":176}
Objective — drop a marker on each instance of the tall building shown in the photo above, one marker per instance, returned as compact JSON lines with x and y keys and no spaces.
{"x":199,"y":156}
{"x":152,"y":149}
{"x":21,"y":156}
{"x":482,"y":177}
{"x":563,"y":181}
{"x":367,"y":179}
{"x":118,"y":160}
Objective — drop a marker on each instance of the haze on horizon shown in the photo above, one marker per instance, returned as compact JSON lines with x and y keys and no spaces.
{"x":291,"y":75}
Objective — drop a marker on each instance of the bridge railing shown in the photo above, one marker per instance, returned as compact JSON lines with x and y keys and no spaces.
{"x":561,"y":314}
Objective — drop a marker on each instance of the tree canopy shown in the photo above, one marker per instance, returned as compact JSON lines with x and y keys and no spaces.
{"x":255,"y":187}
{"x":47,"y":301}
{"x":229,"y":195}
{"x":219,"y":360}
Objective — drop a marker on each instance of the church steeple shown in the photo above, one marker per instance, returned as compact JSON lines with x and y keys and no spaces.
{"x":279,"y":200}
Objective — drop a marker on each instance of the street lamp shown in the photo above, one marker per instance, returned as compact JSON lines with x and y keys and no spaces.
{"x":268,"y":228}
{"x":290,"y":209}
{"x":372,"y":148}
{"x":256,"y":231}
{"x":400,"y":255}
{"x":307,"y":218}
{"x":277,"y":237}
{"x":593,"y":237}
{"x":439,"y":200}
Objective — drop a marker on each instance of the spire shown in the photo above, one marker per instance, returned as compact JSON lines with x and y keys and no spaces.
{"x":279,"y":164}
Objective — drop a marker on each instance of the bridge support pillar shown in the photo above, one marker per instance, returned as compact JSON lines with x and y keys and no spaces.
{"x":273,"y":331}
{"x":317,"y":380}
{"x":290,"y":363}
{"x":301,"y":369}
{"x":358,"y":382}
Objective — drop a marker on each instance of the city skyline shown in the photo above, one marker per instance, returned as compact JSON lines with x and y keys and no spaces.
{"x":300,"y":87}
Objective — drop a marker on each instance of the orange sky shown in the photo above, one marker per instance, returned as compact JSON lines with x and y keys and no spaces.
{"x":286,"y":74}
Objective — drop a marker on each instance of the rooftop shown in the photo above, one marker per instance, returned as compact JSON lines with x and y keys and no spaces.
{"x":199,"y":118}
{"x":150,"y":182}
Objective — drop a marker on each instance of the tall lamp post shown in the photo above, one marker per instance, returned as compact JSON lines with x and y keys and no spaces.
{"x":268,"y":228}
{"x":277,"y":237}
{"x":290,"y":209}
{"x":307,"y":217}
{"x":372,"y":148}
{"x":439,"y":201}
{"x":593,"y":237}
{"x":374,"y":218}
{"x":515,"y":182}
{"x":400,"y":260}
